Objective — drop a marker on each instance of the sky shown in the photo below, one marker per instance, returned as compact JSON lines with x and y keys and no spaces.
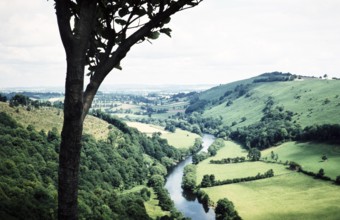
{"x":217,"y":42}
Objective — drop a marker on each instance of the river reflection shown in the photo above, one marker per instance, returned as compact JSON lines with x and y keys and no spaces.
{"x":187,"y":203}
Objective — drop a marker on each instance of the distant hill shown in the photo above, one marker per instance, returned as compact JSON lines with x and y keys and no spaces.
{"x":312,"y":100}
{"x":270,"y":109}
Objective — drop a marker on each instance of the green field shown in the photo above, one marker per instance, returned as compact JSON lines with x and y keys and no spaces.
{"x":146,"y":128}
{"x":308,"y":155}
{"x":231,"y":171}
{"x":287,"y":195}
{"x":313,"y":101}
{"x":292,"y":196}
{"x":178,"y":139}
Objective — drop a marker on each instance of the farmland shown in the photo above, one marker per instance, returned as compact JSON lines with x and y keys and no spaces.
{"x":287,"y":195}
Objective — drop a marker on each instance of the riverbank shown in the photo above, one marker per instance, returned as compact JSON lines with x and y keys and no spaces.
{"x":186,"y":203}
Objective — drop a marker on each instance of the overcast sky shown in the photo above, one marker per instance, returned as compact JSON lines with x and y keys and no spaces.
{"x":217,"y":42}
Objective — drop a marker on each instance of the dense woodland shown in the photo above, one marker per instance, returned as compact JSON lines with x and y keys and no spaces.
{"x":29,"y":161}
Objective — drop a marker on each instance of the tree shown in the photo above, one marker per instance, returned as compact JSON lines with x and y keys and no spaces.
{"x":337,"y":180}
{"x":321,"y":173}
{"x":254,"y":154}
{"x":225,"y":210}
{"x":3,"y":98}
{"x":97,"y":35}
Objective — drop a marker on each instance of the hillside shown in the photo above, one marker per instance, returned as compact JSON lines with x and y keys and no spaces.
{"x":46,"y":118}
{"x":116,"y":171}
{"x":312,"y":101}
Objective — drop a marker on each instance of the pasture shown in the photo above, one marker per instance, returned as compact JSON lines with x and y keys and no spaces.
{"x":287,"y":195}
{"x":178,"y":139}
{"x":290,"y":196}
{"x":146,"y":128}
{"x":308,"y":155}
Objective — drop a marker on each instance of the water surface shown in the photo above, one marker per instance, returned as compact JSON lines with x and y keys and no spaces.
{"x":186,"y":202}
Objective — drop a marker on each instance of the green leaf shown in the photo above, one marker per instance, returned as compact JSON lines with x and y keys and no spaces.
{"x":166,"y":31}
{"x":153,"y":35}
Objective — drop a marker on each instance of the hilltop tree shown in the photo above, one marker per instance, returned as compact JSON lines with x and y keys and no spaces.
{"x":96,"y":36}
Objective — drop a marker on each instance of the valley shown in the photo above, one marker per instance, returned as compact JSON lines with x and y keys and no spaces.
{"x":292,"y":121}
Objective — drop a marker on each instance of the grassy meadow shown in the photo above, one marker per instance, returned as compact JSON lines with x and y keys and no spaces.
{"x":308,"y":155}
{"x":287,"y":195}
{"x":290,"y":196}
{"x":178,"y":139}
{"x":148,"y":129}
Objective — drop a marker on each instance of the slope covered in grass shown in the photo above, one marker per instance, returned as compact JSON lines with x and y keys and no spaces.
{"x":45,"y":118}
{"x":313,"y":101}
{"x":309,"y":156}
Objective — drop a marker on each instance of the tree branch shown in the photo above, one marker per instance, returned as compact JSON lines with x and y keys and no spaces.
{"x":103,"y":70}
{"x":63,"y":17}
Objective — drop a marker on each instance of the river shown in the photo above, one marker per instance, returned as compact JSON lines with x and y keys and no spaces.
{"x":184,"y":202}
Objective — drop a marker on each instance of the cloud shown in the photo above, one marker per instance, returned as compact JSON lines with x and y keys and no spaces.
{"x":216,"y":42}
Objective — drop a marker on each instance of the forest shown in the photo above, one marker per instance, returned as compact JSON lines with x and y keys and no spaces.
{"x":29,"y":161}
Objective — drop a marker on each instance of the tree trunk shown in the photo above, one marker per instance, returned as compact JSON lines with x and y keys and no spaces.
{"x":69,"y":156}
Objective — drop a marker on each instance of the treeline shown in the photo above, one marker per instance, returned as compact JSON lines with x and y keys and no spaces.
{"x":157,"y":182}
{"x":189,"y":177}
{"x":320,"y":175}
{"x":22,"y":100}
{"x":213,"y":148}
{"x":324,"y":133}
{"x":28,"y":172}
{"x":229,"y":160}
{"x":275,"y":77}
{"x":209,"y":180}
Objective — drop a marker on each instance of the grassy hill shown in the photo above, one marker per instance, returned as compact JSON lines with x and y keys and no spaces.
{"x":45,"y":118}
{"x":313,"y":101}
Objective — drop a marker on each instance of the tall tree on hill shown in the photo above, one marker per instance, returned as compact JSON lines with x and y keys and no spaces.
{"x":97,"y":35}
